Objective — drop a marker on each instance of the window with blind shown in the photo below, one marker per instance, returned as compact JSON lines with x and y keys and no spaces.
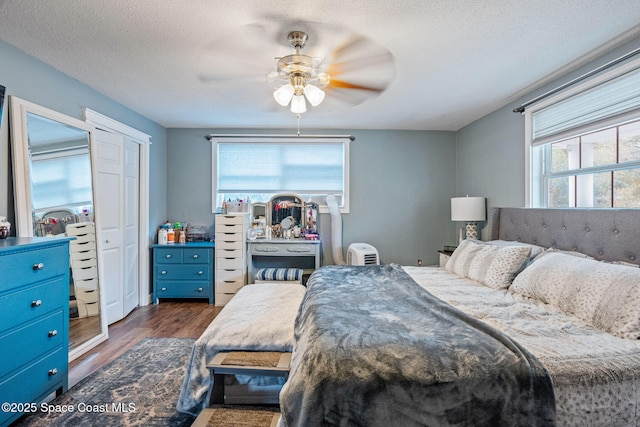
{"x":61,"y":180}
{"x":255,"y":169}
{"x":584,"y":145}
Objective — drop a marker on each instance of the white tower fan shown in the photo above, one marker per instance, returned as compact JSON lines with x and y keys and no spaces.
{"x":362,"y":254}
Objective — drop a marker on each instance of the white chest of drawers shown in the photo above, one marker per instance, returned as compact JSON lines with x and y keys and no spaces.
{"x":231,"y":255}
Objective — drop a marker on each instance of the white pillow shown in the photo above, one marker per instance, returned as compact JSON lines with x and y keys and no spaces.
{"x":535,"y":249}
{"x":493,"y":266}
{"x":605,"y":295}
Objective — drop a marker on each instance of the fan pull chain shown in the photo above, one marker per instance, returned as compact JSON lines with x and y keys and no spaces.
{"x":298,"y":117}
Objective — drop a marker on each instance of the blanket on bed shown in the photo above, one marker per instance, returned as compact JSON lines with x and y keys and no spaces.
{"x":373,"y":348}
{"x":258,"y":318}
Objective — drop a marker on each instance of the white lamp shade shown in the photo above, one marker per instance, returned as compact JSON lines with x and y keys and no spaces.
{"x":468,"y":209}
{"x":314,"y":94}
{"x":298,"y":104}
{"x":283,"y":94}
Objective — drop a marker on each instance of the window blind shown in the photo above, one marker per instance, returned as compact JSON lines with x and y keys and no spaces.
{"x":607,"y":103}
{"x":61,"y":181}
{"x":306,"y":168}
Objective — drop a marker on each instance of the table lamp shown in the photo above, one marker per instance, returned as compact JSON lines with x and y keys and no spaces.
{"x":469,"y":210}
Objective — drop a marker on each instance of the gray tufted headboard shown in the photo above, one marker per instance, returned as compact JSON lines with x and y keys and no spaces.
{"x":605,"y":234}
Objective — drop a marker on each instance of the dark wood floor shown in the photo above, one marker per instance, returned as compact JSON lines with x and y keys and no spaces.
{"x":180,"y":319}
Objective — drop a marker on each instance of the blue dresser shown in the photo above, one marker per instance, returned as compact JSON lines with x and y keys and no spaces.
{"x":183,"y":271}
{"x":34,"y":322}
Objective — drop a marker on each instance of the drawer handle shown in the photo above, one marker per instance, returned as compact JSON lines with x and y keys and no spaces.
{"x":200,"y":289}
{"x":38,"y":266}
{"x":298,"y":249}
{"x":53,"y":333}
{"x":163,"y":272}
{"x":195,"y":256}
{"x":229,"y":281}
{"x":36,"y":303}
{"x":53,"y":372}
{"x":200,"y":273}
{"x":266,"y":249}
{"x":163,"y":289}
{"x":168,"y":256}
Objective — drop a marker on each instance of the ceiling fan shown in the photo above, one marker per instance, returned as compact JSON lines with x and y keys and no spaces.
{"x":298,"y":77}
{"x":342,"y":68}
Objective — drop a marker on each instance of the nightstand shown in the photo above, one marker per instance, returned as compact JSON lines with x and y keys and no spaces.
{"x":444,"y":257}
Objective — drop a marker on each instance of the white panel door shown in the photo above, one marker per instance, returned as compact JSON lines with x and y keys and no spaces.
{"x":109,"y":201}
{"x":117,"y":203}
{"x":131,"y":211}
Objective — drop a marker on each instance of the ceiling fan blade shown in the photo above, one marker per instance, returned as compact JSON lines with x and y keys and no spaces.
{"x":381,"y":64}
{"x":341,"y":84}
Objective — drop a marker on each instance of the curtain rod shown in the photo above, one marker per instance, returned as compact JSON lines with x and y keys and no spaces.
{"x":257,"y":135}
{"x":521,"y":108}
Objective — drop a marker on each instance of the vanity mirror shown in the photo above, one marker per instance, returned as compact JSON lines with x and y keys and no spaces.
{"x":54,"y":194}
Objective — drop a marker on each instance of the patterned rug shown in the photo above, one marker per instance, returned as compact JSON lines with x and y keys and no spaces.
{"x":141,"y":387}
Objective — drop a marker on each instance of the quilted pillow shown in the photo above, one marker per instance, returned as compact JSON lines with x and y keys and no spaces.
{"x":493,"y":266}
{"x":535,"y":249}
{"x":606,"y":296}
{"x":460,"y":259}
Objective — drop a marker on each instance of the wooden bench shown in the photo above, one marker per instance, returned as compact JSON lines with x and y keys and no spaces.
{"x":226,"y":416}
{"x":253,"y":363}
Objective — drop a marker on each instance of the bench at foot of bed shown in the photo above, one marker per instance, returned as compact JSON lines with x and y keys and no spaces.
{"x":253,"y":363}
{"x":237,"y":415}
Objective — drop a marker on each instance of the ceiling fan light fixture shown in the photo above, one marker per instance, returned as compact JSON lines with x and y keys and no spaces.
{"x":284,"y":94}
{"x":314,"y":94}
{"x":298,"y":76}
{"x":298,"y":104}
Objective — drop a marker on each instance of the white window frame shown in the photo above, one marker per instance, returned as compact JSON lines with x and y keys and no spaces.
{"x":279,"y":139}
{"x":535,"y":192}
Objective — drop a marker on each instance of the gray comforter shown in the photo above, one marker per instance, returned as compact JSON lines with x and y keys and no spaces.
{"x":373,"y":348}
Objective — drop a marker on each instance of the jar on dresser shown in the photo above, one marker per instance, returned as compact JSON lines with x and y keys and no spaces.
{"x":34,"y":322}
{"x":183,"y":270}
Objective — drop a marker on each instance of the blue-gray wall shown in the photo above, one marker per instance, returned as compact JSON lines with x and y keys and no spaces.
{"x":490,"y":157}
{"x":30,"y":79}
{"x":401,"y":181}
{"x":401,"y":184}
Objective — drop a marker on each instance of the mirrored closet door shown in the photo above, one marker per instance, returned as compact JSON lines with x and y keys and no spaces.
{"x":55,"y":195}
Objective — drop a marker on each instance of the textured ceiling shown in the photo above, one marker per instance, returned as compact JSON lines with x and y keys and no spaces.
{"x":201,"y":63}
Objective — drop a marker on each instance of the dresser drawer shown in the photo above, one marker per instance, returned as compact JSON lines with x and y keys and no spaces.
{"x":186,"y":289}
{"x":229,"y":245}
{"x":284,"y":249}
{"x":229,"y":237}
{"x":229,"y":263}
{"x":29,"y":341}
{"x":31,"y":266}
{"x":30,"y":303}
{"x":223,"y":299}
{"x":168,"y":256}
{"x":196,"y":255}
{"x":182,"y":272}
{"x":229,"y":275}
{"x":229,"y":253}
{"x":230,"y":219}
{"x":228,"y":287}
{"x":229,"y":228}
{"x":33,"y":383}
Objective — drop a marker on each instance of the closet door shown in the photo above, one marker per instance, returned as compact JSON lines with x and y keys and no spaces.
{"x":117,"y":178}
{"x":131,"y":229}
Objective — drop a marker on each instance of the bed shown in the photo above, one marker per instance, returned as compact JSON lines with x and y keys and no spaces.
{"x":546,"y":336}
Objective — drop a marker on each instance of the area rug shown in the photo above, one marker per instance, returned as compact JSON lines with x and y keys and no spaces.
{"x":141,"y":387}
